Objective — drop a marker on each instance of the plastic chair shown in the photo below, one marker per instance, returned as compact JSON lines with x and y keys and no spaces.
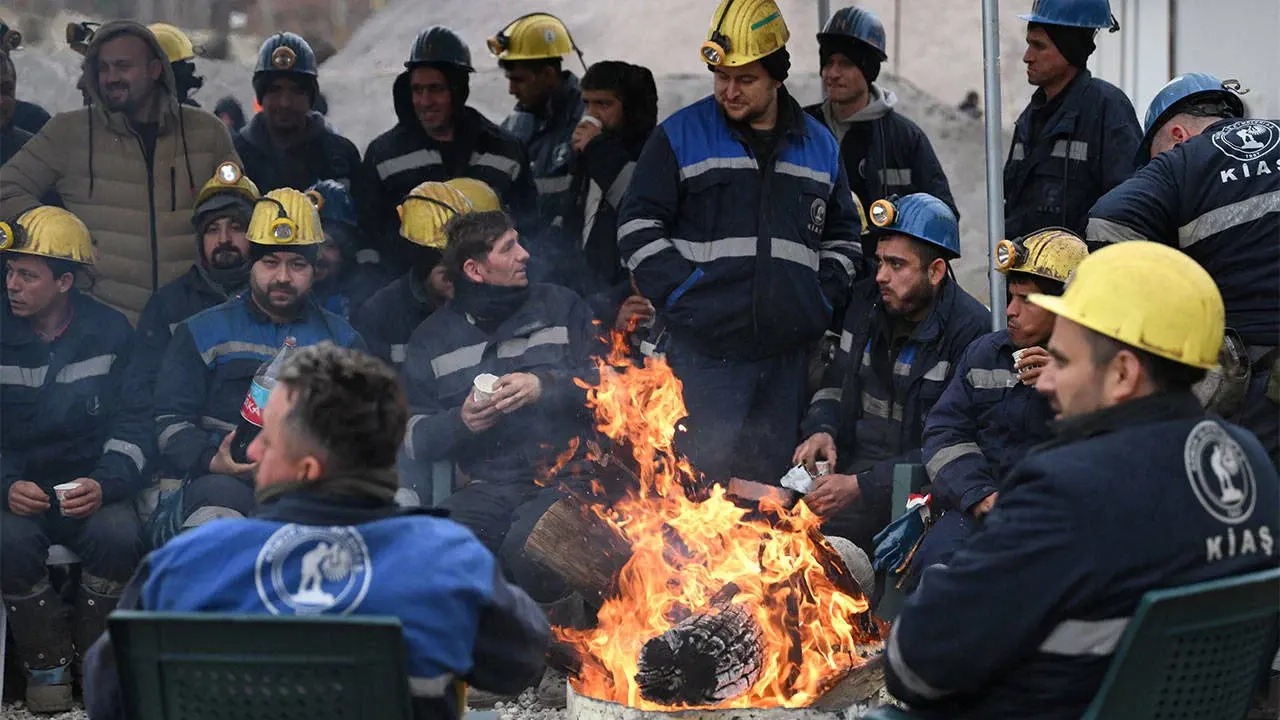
{"x":205,"y":666}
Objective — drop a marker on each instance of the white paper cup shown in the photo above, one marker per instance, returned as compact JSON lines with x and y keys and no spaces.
{"x":1017,"y":355}
{"x":482,"y":387}
{"x":591,"y":120}
{"x":65,"y":489}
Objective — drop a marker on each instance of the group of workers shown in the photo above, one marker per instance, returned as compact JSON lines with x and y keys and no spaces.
{"x":790,"y":263}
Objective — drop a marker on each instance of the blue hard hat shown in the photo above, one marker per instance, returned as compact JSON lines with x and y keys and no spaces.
{"x":286,"y":52}
{"x":858,"y":24}
{"x":1073,"y":13}
{"x":921,"y":216}
{"x":1189,"y":87}
{"x":333,"y":202}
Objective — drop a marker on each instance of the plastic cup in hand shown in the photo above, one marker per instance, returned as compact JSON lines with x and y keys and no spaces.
{"x":482,"y":387}
{"x":64,"y":489}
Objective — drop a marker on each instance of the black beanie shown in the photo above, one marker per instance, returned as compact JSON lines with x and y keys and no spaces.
{"x":309,"y":83}
{"x":1075,"y":43}
{"x":777,"y":63}
{"x":257,"y":251}
{"x":863,"y":56}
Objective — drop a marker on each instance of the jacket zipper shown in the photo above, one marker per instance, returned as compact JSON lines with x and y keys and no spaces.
{"x":151,"y":207}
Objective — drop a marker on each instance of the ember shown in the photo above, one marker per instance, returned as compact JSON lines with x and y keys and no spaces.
{"x":717,"y":605}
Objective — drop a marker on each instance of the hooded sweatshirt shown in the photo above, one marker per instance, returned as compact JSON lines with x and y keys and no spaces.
{"x":137,"y":207}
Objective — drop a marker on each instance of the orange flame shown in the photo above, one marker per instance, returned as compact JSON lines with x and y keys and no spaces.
{"x":685,"y":551}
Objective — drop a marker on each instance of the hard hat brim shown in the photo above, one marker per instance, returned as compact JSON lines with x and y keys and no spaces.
{"x":1059,"y":307}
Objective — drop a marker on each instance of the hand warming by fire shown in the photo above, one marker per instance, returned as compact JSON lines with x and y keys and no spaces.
{"x":716,"y":604}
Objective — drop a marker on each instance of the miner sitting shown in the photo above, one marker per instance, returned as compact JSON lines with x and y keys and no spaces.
{"x":990,"y":415}
{"x":1139,"y":489}
{"x":535,"y":339}
{"x":209,"y":364}
{"x":72,"y":450}
{"x":903,"y":333}
{"x":325,"y":482}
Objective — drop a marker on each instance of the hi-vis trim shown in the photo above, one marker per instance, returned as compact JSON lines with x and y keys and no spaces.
{"x":835,"y":393}
{"x":460,"y":359}
{"x":1085,"y":637}
{"x":1227,"y":217}
{"x":23,"y":376}
{"x":408,"y":435}
{"x":990,"y":379}
{"x":743,"y":247}
{"x":717,"y":163}
{"x":505,"y":165}
{"x":128,"y":449}
{"x":647,"y":251}
{"x":1100,"y":230}
{"x":553,"y":185}
{"x":896,"y":176}
{"x":1019,"y":152}
{"x":846,"y":341}
{"x":882,"y":409}
{"x":914,"y":682}
{"x":469,"y":356}
{"x":432,"y":687}
{"x":234,"y":347}
{"x":399,"y":351}
{"x":949,"y":454}
{"x":1077,"y":150}
{"x":938,"y":373}
{"x":409,"y":161}
{"x":800,"y":171}
{"x":634,"y":226}
{"x":35,"y":377}
{"x":171,"y":429}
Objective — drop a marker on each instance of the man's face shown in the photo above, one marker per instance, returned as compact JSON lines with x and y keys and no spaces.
{"x":8,"y":86}
{"x":286,"y":104}
{"x":530,"y":87}
{"x":127,"y":73}
{"x":1028,"y":324}
{"x":432,"y":100}
{"x":842,"y":80}
{"x":1045,"y":65}
{"x":746,"y":93}
{"x":275,"y":449}
{"x":439,"y":286}
{"x":223,"y":243}
{"x":31,"y":286}
{"x":1072,"y":382}
{"x":605,"y":106}
{"x":504,"y":266}
{"x":905,"y":286}
{"x":329,"y":263}
{"x":280,"y":282}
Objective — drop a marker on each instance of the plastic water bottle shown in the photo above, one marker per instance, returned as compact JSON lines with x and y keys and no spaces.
{"x":255,"y":401}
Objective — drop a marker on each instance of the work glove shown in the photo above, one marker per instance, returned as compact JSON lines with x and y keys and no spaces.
{"x":896,"y":543}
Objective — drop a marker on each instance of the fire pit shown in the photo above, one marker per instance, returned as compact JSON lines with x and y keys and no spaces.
{"x":707,"y":606}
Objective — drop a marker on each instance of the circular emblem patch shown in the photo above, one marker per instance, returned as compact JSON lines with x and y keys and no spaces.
{"x":1247,"y":139}
{"x":307,"y":570}
{"x":817,"y":215}
{"x":1219,"y":473}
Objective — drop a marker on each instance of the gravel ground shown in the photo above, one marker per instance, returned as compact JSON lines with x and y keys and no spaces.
{"x":18,"y":711}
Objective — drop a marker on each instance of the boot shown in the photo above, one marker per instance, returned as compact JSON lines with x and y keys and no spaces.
{"x":95,"y":599}
{"x":42,"y":637}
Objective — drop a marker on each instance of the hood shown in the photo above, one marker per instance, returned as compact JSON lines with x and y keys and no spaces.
{"x":882,"y":102}
{"x":89,"y":71}
{"x":257,"y":135}
{"x":403,"y":100}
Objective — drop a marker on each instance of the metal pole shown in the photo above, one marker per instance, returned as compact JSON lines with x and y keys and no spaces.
{"x":824,"y":12}
{"x":897,"y":37}
{"x":995,"y":152}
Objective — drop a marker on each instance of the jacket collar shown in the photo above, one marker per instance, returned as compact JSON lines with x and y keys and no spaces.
{"x":257,"y":135}
{"x":18,"y":331}
{"x":933,"y":324}
{"x":309,"y":508}
{"x":1039,"y":98}
{"x":1160,"y":407}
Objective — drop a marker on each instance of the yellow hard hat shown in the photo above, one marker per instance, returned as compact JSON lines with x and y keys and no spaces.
{"x":1052,"y":253}
{"x":228,"y":178}
{"x":743,"y":31}
{"x":478,"y":192}
{"x":532,"y":37}
{"x":285,"y":216}
{"x":1149,"y":296}
{"x":425,"y":211}
{"x":175,"y":43}
{"x":862,"y":213}
{"x":49,"y":232}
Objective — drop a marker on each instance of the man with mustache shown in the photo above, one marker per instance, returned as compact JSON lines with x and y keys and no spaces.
{"x":129,"y":165}
{"x":740,"y":228}
{"x":209,"y":364}
{"x":903,"y":334}
{"x":437,"y":137}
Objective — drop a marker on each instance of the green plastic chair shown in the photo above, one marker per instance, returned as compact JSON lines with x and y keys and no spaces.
{"x":1197,"y":651}
{"x":206,"y":666}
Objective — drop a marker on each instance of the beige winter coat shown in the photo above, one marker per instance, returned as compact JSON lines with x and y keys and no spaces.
{"x":140,"y":220}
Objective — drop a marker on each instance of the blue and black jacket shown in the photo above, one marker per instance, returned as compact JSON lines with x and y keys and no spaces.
{"x":322,"y":155}
{"x":388,"y":318}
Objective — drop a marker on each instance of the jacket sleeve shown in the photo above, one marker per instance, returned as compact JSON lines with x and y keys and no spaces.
{"x":1121,"y":138}
{"x":840,"y":376}
{"x":649,"y":210}
{"x":181,"y":389}
{"x":1032,"y":541}
{"x":511,"y":640}
{"x":840,"y":251}
{"x":522,"y":199}
{"x":121,"y":471}
{"x":1144,"y":207}
{"x":367,"y":321}
{"x":36,"y":168}
{"x":559,"y":389}
{"x":13,"y":465}
{"x":952,"y":453}
{"x":928,"y":174}
{"x":434,"y":431}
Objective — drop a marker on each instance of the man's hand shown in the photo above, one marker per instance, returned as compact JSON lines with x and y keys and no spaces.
{"x":516,"y":390}
{"x":478,"y":416}
{"x":27,"y":499}
{"x":819,"y":446}
{"x":1031,"y":364}
{"x":984,"y":505}
{"x":832,"y":493}
{"x":84,"y":500}
{"x":584,"y":133}
{"x":222,"y":464}
{"x":635,"y":310}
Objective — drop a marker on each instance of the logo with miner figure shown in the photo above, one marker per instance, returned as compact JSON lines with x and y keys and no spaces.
{"x":1219,"y":473}
{"x":1247,"y":139}
{"x":306,"y":570}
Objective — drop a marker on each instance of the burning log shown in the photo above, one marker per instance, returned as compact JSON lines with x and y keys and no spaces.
{"x":704,"y":659}
{"x":588,"y":553}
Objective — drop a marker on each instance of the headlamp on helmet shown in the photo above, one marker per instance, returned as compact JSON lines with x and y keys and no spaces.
{"x":882,"y":213}
{"x":229,"y":173}
{"x":12,"y":235}
{"x":498,"y":43}
{"x":316,"y":198}
{"x":1010,"y":254}
{"x":80,"y":34}
{"x":10,"y":39}
{"x":284,"y":58}
{"x":283,"y":230}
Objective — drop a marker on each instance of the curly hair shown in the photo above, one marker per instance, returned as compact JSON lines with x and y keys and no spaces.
{"x":347,"y":404}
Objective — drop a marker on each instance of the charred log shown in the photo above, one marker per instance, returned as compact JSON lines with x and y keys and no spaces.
{"x":588,"y":553}
{"x":705,"y":659}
